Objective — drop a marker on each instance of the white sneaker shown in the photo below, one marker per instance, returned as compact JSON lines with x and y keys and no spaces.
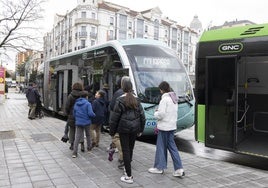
{"x":127,"y":179}
{"x":179,"y":173}
{"x":155,"y":171}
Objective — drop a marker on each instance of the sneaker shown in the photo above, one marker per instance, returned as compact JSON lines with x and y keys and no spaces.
{"x":74,"y":155}
{"x":111,"y":153}
{"x":155,"y":171}
{"x":179,"y":173}
{"x":127,"y":179}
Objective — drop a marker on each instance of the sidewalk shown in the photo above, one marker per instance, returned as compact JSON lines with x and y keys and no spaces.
{"x":32,"y":155}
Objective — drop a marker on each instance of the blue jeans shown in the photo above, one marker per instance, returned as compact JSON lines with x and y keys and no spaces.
{"x":165,"y":141}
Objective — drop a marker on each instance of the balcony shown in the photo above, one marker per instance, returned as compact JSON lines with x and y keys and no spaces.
{"x":82,"y":34}
{"x":86,"y":21}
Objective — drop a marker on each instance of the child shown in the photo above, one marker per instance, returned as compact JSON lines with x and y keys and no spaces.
{"x":100,"y":109}
{"x":82,"y":113}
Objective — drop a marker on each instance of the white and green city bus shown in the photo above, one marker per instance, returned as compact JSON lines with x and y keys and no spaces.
{"x":146,"y":62}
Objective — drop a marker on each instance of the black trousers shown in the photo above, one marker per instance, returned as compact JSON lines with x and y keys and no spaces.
{"x":127,"y":141}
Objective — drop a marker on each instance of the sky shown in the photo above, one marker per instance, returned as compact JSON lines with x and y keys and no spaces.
{"x":209,"y":12}
{"x":212,"y":12}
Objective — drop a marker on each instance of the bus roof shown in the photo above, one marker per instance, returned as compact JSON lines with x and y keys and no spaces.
{"x":112,"y":43}
{"x":256,"y":30}
{"x":137,"y":41}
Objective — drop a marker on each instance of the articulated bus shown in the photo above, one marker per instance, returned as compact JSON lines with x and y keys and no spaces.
{"x":146,"y":62}
{"x":231,"y":89}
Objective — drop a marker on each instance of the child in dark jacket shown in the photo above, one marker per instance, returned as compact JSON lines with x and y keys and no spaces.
{"x":83,"y":113}
{"x":100,"y":109}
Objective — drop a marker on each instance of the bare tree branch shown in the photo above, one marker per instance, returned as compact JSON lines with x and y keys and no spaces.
{"x":18,"y":20}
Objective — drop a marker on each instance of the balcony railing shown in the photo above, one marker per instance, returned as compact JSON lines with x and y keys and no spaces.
{"x":87,"y":21}
{"x":82,"y":34}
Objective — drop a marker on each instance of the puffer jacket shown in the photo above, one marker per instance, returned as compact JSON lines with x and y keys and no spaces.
{"x":126,"y":120}
{"x":100,"y":109}
{"x":83,"y":112}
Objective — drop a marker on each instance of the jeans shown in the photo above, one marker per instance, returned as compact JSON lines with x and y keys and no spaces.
{"x":165,"y":141}
{"x":127,"y":141}
{"x":79,"y":135}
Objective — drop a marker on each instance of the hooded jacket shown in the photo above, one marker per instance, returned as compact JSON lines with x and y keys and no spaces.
{"x":125,"y":120}
{"x":167,"y":112}
{"x":83,"y":112}
{"x":100,"y":109}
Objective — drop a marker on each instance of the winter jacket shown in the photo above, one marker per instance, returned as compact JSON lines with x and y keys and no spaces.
{"x":83,"y":112}
{"x":32,"y":95}
{"x":126,"y":120}
{"x":167,"y":112}
{"x":117,"y":94}
{"x":100,"y":109}
{"x":75,"y":94}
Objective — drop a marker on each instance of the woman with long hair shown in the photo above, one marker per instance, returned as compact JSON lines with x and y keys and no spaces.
{"x":127,"y":119}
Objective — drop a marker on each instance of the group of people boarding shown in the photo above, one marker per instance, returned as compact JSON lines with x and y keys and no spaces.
{"x":126,"y":121}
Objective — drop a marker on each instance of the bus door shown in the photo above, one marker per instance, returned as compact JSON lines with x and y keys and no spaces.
{"x":64,"y":87}
{"x":221,"y":96}
{"x":114,"y":76}
{"x":59,"y":94}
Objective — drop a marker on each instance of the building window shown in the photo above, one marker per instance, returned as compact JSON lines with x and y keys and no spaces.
{"x":179,"y":35}
{"x":83,"y":14}
{"x":93,"y":15}
{"x":140,"y":25}
{"x":156,"y":30}
{"x":129,"y":36}
{"x":146,"y":29}
{"x":186,"y":37}
{"x":93,"y":29}
{"x":111,"y":35}
{"x":129,"y":25}
{"x":83,"y":32}
{"x":83,"y":43}
{"x":166,"y":33}
{"x":122,"y":27}
{"x":92,"y":42}
{"x":111,"y":21}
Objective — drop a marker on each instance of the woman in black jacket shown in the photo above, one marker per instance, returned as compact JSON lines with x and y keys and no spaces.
{"x":128,"y":119}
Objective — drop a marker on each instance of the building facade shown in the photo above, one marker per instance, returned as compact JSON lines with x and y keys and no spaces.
{"x":96,"y":21}
{"x":31,"y":59}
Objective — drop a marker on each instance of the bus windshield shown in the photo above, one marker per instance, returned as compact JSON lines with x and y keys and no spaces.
{"x":153,"y":64}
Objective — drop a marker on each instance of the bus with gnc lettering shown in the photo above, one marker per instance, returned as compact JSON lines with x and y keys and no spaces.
{"x":232,"y":89}
{"x":146,"y":62}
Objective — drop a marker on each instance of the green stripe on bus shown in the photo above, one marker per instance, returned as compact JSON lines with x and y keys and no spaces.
{"x":201,"y":123}
{"x":247,"y":31}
